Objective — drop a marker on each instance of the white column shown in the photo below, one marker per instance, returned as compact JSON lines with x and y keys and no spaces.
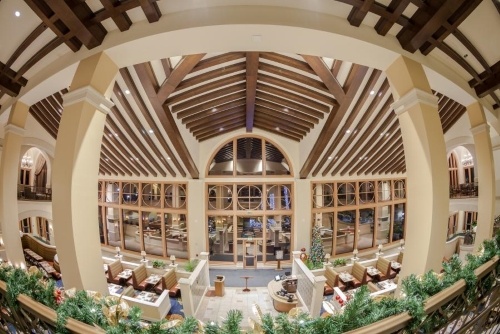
{"x":196,"y":227}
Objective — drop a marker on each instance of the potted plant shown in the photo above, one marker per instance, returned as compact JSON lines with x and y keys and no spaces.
{"x":159,"y":264}
{"x":340,"y":262}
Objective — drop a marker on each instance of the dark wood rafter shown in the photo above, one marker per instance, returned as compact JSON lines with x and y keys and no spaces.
{"x":289,"y":125}
{"x":396,"y":8}
{"x":309,"y":112}
{"x":382,"y":154}
{"x":165,"y":117}
{"x":239,"y":120}
{"x":390,"y":158}
{"x":293,"y":76}
{"x":112,"y":164}
{"x":286,"y":116}
{"x":376,"y":141}
{"x":8,"y":83}
{"x":326,"y":75}
{"x":177,"y":75}
{"x":358,"y":73}
{"x":207,"y":98}
{"x":119,"y":95}
{"x":358,"y":14}
{"x":217,"y":120}
{"x":121,"y":19}
{"x":111,"y":160}
{"x":287,"y":61}
{"x":209,"y":75}
{"x":497,"y":5}
{"x":216,"y":133}
{"x":215,"y":103}
{"x":123,"y":144}
{"x":202,"y":116}
{"x":348,"y":123}
{"x":134,"y":92}
{"x":252,"y":68}
{"x":284,"y":111}
{"x":294,"y":97}
{"x":42,"y":121}
{"x":488,"y":82}
{"x":118,"y":149}
{"x":103,"y":168}
{"x":272,"y":129}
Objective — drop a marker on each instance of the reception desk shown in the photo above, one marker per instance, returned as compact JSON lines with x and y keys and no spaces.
{"x":280,"y":303}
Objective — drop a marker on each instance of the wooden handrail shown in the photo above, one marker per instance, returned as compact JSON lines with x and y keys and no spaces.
{"x":385,"y":326}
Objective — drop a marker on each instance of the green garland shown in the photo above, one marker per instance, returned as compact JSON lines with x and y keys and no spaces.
{"x":360,"y":311}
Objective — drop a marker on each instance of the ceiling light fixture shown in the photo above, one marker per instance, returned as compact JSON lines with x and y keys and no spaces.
{"x":116,"y":134}
{"x":348,"y":131}
{"x":17,"y":13}
{"x":220,"y":129}
{"x":168,"y":158}
{"x":26,"y":161}
{"x":150,"y":131}
{"x":127,"y":91}
{"x":329,"y":158}
{"x":277,"y":128}
{"x":285,"y":109}
{"x":372,"y":92}
{"x":214,"y":109}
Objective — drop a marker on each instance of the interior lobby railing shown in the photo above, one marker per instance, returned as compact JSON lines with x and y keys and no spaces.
{"x":465,"y":190}
{"x":32,"y":193}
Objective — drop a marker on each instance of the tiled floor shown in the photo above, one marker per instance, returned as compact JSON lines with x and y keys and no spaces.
{"x":216,"y":308}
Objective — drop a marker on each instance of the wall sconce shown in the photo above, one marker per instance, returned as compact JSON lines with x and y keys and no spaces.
{"x":172,"y":258}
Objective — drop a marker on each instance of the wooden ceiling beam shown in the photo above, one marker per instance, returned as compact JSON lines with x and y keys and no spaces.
{"x":458,"y":114}
{"x":151,"y":10}
{"x":207,"y":98}
{"x":280,"y":110}
{"x":121,"y":152}
{"x":390,"y":158}
{"x":294,"y":76}
{"x":202,"y":90}
{"x":287,"y":61}
{"x":103,"y":168}
{"x":210,"y":75}
{"x":298,"y":89}
{"x":50,"y":114}
{"x":396,"y":8}
{"x":326,"y":76}
{"x":376,"y":141}
{"x":217,"y":60}
{"x":237,"y":120}
{"x":218,"y":119}
{"x":358,"y":14}
{"x":8,"y":83}
{"x":202,"y":116}
{"x":293,"y":97}
{"x":490,"y":81}
{"x":209,"y":105}
{"x":451,"y":110}
{"x":283,"y":133}
{"x":43,"y":122}
{"x":382,"y":155}
{"x":333,"y":121}
{"x":119,"y":95}
{"x":113,"y":163}
{"x":252,"y":67}
{"x":121,"y":19}
{"x":288,"y":125}
{"x":134,"y":92}
{"x":177,"y":75}
{"x":75,"y":18}
{"x":287,"y":116}
{"x":290,"y":105}
{"x":39,"y":55}
{"x":167,"y":121}
{"x":218,"y":133}
{"x":360,"y":103}
{"x":375,"y":159}
{"x":26,"y":43}
{"x":398,"y":159}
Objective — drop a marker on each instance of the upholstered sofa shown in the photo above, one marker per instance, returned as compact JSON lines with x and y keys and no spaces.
{"x":168,"y":282}
{"x":332,"y":281}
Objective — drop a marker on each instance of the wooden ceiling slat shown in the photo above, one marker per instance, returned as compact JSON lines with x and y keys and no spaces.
{"x":113,"y":164}
{"x":202,"y":89}
{"x":377,"y":140}
{"x":358,"y":14}
{"x":450,"y":112}
{"x":288,"y":61}
{"x":217,"y":60}
{"x":26,"y":43}
{"x":293,"y":97}
{"x":239,"y":120}
{"x":396,"y":7}
{"x":218,"y":133}
{"x":285,"y":116}
{"x":208,"y":98}
{"x":177,"y":75}
{"x":364,"y":136}
{"x":134,"y":92}
{"x":202,"y":116}
{"x":390,"y":158}
{"x":137,"y":142}
{"x":396,"y":161}
{"x":165,"y":117}
{"x":207,"y":76}
{"x":209,"y":105}
{"x":331,"y":82}
{"x":309,"y":93}
{"x":401,"y":168}
{"x":290,"y":105}
{"x":119,"y":95}
{"x":284,"y":123}
{"x":151,"y":10}
{"x":360,"y":103}
{"x":290,"y":129}
{"x":105,"y":169}
{"x":267,"y":105}
{"x":294,"y":76}
{"x":490,"y":84}
{"x":333,"y":121}
{"x":283,"y":133}
{"x":216,"y":120}
{"x":121,"y":19}
{"x":167,"y":67}
{"x":121,"y":145}
{"x":43,"y":122}
{"x":458,"y":114}
{"x":49,"y":114}
{"x":381,"y":156}
{"x":252,"y":67}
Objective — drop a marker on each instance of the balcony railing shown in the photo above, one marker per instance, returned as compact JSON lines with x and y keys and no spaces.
{"x":31,"y":193}
{"x":464,"y":190}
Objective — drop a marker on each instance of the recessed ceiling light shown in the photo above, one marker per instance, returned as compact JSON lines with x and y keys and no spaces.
{"x":382,"y":134}
{"x":360,"y":158}
{"x":329,"y":158}
{"x":127,"y":91}
{"x":17,"y":13}
{"x":214,"y":109}
{"x":366,"y":158}
{"x":106,"y":159}
{"x":386,"y":134}
{"x":277,"y":128}
{"x":168,"y":158}
{"x":116,"y":134}
{"x":285,"y":109}
{"x":150,"y":131}
{"x":348,"y":131}
{"x":220,"y":129}
{"x":372,"y":92}
{"x":380,"y":94}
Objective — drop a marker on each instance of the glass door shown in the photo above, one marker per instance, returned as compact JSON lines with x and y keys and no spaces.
{"x":250,"y":241}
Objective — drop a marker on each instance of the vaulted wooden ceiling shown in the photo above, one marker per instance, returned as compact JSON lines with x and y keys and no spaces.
{"x":347,"y":106}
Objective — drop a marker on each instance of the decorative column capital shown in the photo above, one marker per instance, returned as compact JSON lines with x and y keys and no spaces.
{"x":483,"y":127}
{"x":90,"y":95}
{"x":14,"y":129}
{"x":413,"y":97}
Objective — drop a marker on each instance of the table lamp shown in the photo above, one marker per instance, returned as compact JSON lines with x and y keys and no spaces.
{"x":402,"y":244}
{"x":355,"y":253}
{"x":143,"y":254}
{"x":327,"y":258}
{"x":118,"y":252}
{"x":172,"y":258}
{"x":380,"y":248}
